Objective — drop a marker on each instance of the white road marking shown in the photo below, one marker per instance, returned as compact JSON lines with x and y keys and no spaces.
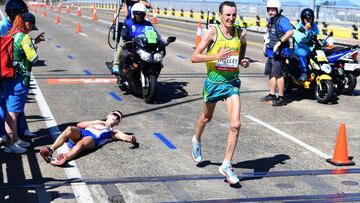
{"x":287,"y":136}
{"x":4,"y":171}
{"x":81,"y":191}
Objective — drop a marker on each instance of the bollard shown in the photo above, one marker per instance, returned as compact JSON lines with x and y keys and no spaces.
{"x":257,"y":21}
{"x":325,"y":28}
{"x":202,"y":14}
{"x":191,"y":13}
{"x":212,"y":18}
{"x":173,"y":11}
{"x":243,"y":22}
{"x":182,"y":12}
{"x":355,"y":32}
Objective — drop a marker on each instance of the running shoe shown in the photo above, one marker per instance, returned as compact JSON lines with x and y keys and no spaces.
{"x":46,"y":153}
{"x":22,"y":143}
{"x":228,"y":171}
{"x":196,"y":151}
{"x":14,"y":148}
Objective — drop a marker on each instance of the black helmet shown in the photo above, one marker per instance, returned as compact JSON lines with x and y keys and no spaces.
{"x":15,"y":7}
{"x":307,"y":13}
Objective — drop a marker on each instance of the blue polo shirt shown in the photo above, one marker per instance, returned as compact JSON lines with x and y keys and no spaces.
{"x":284,"y":25}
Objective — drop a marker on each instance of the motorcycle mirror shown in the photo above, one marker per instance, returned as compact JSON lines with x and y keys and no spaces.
{"x":171,"y":39}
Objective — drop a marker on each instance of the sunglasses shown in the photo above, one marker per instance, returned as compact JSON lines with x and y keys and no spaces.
{"x":140,"y":14}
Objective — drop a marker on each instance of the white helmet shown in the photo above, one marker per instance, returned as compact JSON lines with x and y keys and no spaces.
{"x":274,"y":4}
{"x":139,"y":7}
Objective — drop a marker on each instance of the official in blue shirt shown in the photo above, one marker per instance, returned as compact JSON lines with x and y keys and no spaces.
{"x":277,"y":49}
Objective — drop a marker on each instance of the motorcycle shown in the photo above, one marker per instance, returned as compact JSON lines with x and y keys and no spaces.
{"x":142,"y":67}
{"x":319,"y":70}
{"x":345,"y":66}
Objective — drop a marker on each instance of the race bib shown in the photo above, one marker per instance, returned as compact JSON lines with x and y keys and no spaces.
{"x":150,"y":35}
{"x":228,"y":64}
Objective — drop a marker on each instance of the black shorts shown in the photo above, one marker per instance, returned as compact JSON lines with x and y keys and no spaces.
{"x":274,"y":68}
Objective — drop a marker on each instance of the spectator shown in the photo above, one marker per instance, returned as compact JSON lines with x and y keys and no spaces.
{"x":16,"y":90}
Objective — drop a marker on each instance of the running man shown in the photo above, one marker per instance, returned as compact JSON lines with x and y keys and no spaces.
{"x":226,"y":47}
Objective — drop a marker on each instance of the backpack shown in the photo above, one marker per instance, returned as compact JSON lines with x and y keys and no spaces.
{"x":7,"y":70}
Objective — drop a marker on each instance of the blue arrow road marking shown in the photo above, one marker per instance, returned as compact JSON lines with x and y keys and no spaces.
{"x":165,"y":141}
{"x":87,"y":72}
{"x":115,"y":96}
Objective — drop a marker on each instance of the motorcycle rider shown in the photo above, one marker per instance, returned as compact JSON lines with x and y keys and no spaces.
{"x":276,"y":41}
{"x":133,"y":27}
{"x":308,"y":28}
{"x":127,"y":12}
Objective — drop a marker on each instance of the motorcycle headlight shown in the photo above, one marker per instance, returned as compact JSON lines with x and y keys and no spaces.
{"x":145,"y":56}
{"x":158,"y":56}
{"x":326,"y":68}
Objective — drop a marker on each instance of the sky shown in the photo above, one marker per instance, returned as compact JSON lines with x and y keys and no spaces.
{"x":357,"y":2}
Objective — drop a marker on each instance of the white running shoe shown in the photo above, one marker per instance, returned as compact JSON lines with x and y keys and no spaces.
{"x":28,"y":133}
{"x":14,"y":148}
{"x":228,"y":171}
{"x":3,"y":139}
{"x":22,"y":143}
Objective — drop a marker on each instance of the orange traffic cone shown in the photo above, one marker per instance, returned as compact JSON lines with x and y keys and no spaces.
{"x":59,"y":8}
{"x":79,"y":11}
{"x":67,"y":9}
{"x":198,"y":34}
{"x":92,"y":10}
{"x":341,"y":157}
{"x":78,"y":27}
{"x":51,"y":6}
{"x":57,"y":19}
{"x":35,"y":11}
{"x":154,"y":19}
{"x":94,"y":17}
{"x":44,"y":13}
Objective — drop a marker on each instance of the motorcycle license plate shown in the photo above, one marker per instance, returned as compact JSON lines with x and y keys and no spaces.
{"x":351,"y":66}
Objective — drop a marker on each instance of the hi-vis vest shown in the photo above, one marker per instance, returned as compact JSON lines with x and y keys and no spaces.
{"x":224,"y":70}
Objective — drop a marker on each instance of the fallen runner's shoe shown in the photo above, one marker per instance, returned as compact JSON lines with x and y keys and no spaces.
{"x":46,"y":153}
{"x":59,"y":160}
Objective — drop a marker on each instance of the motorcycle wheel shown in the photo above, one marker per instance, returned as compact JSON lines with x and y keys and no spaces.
{"x":150,"y":88}
{"x":324,"y":91}
{"x":350,"y":83}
